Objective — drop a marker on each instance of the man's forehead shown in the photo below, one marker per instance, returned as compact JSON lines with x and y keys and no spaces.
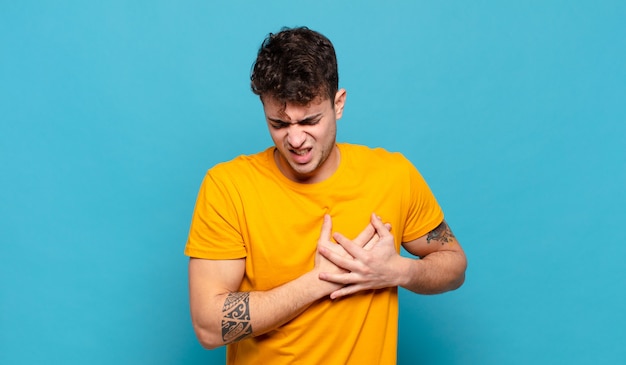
{"x":280,"y":108}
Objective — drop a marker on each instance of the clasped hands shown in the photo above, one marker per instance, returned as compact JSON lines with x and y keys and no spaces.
{"x":370,"y":261}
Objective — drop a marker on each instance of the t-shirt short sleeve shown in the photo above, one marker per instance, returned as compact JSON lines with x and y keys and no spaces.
{"x":424,"y":212}
{"x":215,"y":231}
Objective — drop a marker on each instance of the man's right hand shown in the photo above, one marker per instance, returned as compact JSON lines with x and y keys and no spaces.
{"x":366,"y":239}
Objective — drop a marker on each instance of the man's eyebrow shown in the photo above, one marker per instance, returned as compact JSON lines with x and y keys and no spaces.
{"x":305,"y":120}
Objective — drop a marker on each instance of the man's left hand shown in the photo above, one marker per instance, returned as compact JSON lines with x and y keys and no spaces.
{"x":372,"y":266}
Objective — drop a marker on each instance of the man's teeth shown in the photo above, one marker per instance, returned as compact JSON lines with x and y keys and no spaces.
{"x":300,"y":152}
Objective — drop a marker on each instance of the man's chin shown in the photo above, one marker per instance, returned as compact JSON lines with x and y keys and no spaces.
{"x":303,"y":172}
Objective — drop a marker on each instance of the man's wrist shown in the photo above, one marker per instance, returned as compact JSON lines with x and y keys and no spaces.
{"x":407,"y":269}
{"x":319,"y":288}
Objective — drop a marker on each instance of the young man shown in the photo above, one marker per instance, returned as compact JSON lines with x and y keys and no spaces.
{"x":295,"y":250}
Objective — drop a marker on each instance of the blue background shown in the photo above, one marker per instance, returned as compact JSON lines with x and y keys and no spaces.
{"x":111,"y":112}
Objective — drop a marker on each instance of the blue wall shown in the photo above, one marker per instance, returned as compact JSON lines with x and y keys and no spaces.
{"x":111,"y":112}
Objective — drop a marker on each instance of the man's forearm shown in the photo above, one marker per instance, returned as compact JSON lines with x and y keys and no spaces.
{"x":247,"y":314}
{"x":436,"y":273}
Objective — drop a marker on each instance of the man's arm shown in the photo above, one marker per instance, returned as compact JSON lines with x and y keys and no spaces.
{"x":440,"y":269}
{"x":222,"y":315}
{"x":442,"y":265}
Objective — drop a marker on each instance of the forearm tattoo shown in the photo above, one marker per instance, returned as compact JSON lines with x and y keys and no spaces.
{"x":441,"y":234}
{"x":236,"y":317}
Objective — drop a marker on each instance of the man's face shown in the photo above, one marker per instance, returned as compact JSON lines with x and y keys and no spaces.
{"x":305,"y":137}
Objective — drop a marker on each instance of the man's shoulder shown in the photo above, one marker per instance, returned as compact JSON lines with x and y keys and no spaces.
{"x":242,"y":170}
{"x":242,"y":162}
{"x":371,"y":155}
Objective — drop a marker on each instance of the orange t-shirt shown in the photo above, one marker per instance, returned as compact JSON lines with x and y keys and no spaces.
{"x":247,"y":208}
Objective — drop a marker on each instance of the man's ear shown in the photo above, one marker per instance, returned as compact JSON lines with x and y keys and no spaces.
{"x":340,"y":102}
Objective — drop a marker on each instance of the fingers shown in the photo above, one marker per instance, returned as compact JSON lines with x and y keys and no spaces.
{"x":365,"y":236}
{"x":339,"y":255}
{"x":349,"y":286}
{"x":382,"y":229}
{"x":327,"y":227}
{"x":369,"y":235}
{"x":345,"y":277}
{"x":371,"y":242}
{"x":346,"y":290}
{"x":353,"y":249}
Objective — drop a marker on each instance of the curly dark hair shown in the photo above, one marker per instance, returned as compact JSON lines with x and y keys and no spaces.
{"x":295,"y":65}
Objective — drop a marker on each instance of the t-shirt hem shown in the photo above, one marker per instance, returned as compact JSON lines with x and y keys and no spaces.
{"x":427,"y":229}
{"x":232,"y":255}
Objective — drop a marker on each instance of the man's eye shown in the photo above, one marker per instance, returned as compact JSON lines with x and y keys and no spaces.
{"x":310,"y":122}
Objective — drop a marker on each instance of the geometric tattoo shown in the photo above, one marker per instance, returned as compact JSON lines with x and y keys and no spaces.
{"x":236,"y":320}
{"x":441,"y":234}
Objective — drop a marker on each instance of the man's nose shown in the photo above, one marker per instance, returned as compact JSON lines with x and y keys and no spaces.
{"x":296,"y":135}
